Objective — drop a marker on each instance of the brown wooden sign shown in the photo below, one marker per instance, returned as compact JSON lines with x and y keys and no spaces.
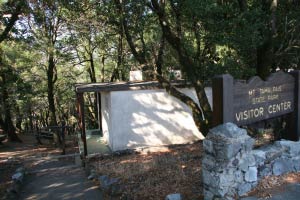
{"x":255,"y":100}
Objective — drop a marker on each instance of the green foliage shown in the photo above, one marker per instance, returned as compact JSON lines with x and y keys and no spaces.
{"x":90,"y":43}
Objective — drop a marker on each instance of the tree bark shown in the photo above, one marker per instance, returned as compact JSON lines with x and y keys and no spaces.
{"x":139,"y":56}
{"x":8,"y":123}
{"x":50,"y":82}
{"x":264,"y":59}
{"x":103,"y":69}
{"x":91,"y":69}
{"x":188,"y":66}
{"x":196,"y":111}
{"x":15,"y":16}
{"x":243,"y":5}
{"x":19,"y":119}
{"x":160,"y":56}
{"x":265,"y":52}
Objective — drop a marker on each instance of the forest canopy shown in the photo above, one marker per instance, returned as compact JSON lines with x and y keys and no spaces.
{"x":48,"y":45}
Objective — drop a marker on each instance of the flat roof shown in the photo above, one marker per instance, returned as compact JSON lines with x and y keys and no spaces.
{"x":121,"y":86}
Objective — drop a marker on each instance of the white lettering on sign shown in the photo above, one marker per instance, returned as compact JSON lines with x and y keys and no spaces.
{"x":261,"y":111}
{"x":248,"y":114}
{"x":283,"y":106}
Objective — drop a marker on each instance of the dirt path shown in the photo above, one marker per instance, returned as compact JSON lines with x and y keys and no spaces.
{"x":50,"y":175}
{"x":56,"y":179}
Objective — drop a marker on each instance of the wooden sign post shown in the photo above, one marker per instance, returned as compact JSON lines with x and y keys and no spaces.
{"x":257,"y":100}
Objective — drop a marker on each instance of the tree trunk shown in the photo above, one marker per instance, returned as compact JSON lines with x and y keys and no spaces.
{"x":188,"y":66}
{"x":20,"y":4}
{"x":242,"y":5}
{"x":51,"y":81}
{"x":265,"y":54}
{"x":30,"y":120}
{"x":120,"y":54}
{"x":264,"y":59}
{"x":103,"y":69}
{"x":196,"y":111}
{"x":19,"y":119}
{"x":8,"y":123}
{"x":160,"y":56}
{"x":91,"y":70}
{"x":1,"y":122}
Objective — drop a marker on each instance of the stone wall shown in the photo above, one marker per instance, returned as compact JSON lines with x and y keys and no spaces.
{"x":231,"y":167}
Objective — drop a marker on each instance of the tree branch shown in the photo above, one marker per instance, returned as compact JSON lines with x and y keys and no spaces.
{"x":13,"y":19}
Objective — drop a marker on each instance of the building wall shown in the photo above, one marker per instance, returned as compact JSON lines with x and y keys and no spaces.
{"x":139,"y":118}
{"x":106,"y":115}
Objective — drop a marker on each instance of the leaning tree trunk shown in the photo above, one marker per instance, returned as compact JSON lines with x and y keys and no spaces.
{"x":189,"y":68}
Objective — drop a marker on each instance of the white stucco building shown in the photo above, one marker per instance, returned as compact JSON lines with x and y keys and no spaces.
{"x":142,"y":114}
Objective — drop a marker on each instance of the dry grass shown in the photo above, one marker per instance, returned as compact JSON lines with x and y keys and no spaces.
{"x":152,"y":176}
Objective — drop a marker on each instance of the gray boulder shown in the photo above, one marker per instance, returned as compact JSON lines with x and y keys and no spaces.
{"x":176,"y":196}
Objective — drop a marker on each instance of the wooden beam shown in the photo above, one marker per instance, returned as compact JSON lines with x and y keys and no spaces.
{"x":106,"y":87}
{"x":80,"y":108}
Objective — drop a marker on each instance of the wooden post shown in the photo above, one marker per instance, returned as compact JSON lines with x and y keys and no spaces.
{"x":99,"y":111}
{"x":293,"y":119}
{"x":222,"y":87}
{"x":80,"y":106}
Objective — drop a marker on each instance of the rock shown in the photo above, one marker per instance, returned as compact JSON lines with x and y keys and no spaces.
{"x":260,"y":157}
{"x":293,"y":148}
{"x":110,"y":185}
{"x":272,"y":153}
{"x":282,"y":166}
{"x":208,"y":146}
{"x":227,"y":180}
{"x":103,"y":180}
{"x":296,"y":161}
{"x":116,"y":190}
{"x":92,"y":176}
{"x":208,"y":162}
{"x":123,"y":152}
{"x":251,"y":174}
{"x":228,"y":130}
{"x":226,"y":141}
{"x":176,"y":196}
{"x":239,"y":177}
{"x":248,"y":144}
{"x":21,"y":170}
{"x":264,"y":170}
{"x":244,"y":188}
{"x":208,"y":195}
{"x":246,"y":162}
{"x":18,"y":177}
{"x":209,"y":178}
